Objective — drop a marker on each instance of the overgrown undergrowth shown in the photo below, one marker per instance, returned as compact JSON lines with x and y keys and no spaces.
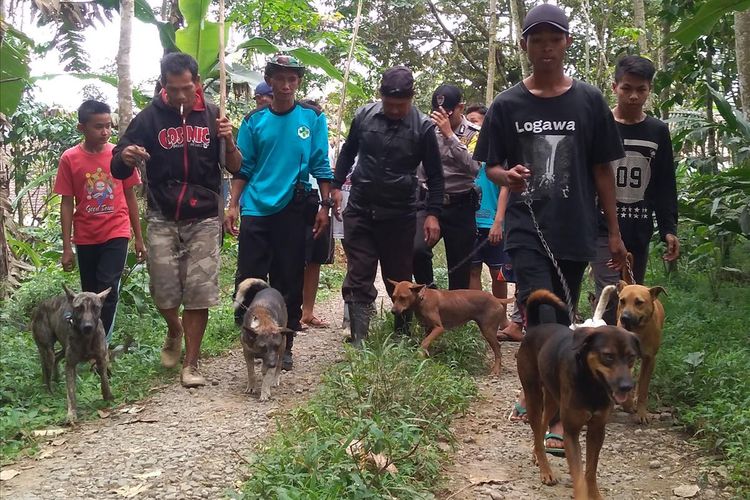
{"x":703,"y":367}
{"x":383,"y":409}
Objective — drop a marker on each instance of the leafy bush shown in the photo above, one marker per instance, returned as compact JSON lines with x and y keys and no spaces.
{"x":385,"y":401}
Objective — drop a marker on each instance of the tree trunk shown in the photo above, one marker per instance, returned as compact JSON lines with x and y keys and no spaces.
{"x":663,"y":63}
{"x":517,"y":13}
{"x":711,"y":140}
{"x":124,"y":84}
{"x":639,"y":13}
{"x":491,"y":62}
{"x":742,"y":48}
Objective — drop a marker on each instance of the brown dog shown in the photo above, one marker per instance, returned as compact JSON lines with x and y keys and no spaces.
{"x":440,"y":310}
{"x":73,"y":320}
{"x":577,"y":374}
{"x":264,"y":332}
{"x":640,"y":311}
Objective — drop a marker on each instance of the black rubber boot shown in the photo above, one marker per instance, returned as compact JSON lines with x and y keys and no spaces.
{"x":360,"y":314}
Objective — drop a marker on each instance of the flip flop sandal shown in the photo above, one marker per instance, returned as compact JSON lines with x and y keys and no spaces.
{"x":517,"y":413}
{"x":316,"y":323}
{"x":555,"y":452}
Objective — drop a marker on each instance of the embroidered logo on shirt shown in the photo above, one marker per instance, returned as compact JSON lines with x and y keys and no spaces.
{"x":303,"y":132}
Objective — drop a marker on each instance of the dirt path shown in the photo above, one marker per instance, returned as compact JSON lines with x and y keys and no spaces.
{"x":178,"y":443}
{"x":636,"y":462}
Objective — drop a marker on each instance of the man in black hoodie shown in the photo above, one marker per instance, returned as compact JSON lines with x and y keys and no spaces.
{"x":175,"y":141}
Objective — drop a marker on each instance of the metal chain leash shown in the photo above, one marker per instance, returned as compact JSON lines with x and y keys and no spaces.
{"x":568,"y":296}
{"x":630,"y":271}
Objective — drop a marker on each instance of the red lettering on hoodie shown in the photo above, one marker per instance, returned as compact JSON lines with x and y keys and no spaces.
{"x":174,"y":137}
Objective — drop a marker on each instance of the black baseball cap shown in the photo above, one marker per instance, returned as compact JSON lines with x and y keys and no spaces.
{"x":546,"y":14}
{"x":397,"y":81}
{"x":447,"y":96}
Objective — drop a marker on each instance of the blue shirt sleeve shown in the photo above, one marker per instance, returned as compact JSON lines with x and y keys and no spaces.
{"x":320,"y":166}
{"x":246,"y":143}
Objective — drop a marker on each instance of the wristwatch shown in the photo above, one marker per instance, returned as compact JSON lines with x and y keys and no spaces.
{"x":328,"y":203}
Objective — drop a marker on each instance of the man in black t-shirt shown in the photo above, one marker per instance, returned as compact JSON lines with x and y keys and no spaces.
{"x":644,"y":178}
{"x":557,"y":137}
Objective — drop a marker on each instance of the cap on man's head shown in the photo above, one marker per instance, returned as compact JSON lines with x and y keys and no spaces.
{"x":263,"y":89}
{"x":545,"y":14}
{"x":447,"y":96}
{"x":397,"y":82}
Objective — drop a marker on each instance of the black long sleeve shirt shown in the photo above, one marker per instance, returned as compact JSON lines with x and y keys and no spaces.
{"x":388,"y":153}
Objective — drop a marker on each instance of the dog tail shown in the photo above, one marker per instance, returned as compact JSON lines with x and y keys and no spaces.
{"x":601,"y":307}
{"x":540,"y":298}
{"x":246,"y":291}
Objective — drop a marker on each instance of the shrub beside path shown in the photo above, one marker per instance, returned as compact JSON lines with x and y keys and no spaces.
{"x":493,"y":460}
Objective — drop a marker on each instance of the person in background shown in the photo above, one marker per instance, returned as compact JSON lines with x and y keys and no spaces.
{"x":456,"y":137}
{"x":475,"y":114}
{"x":263,"y":95}
{"x":99,"y":209}
{"x":645,"y":182}
{"x":389,"y":138}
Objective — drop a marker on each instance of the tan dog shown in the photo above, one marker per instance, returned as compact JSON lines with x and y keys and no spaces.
{"x":640,"y":311}
{"x":440,"y":310}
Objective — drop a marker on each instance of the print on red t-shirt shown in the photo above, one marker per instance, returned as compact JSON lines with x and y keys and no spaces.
{"x":101,"y":212}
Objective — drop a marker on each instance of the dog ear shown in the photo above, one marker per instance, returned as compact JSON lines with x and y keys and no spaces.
{"x":103,"y":294}
{"x":416,"y":288}
{"x":655,"y":291}
{"x":392,"y":282}
{"x":582,"y":338}
{"x":68,"y":293}
{"x":622,"y":284}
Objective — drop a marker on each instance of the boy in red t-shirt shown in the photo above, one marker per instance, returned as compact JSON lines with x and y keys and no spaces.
{"x":105,"y":209}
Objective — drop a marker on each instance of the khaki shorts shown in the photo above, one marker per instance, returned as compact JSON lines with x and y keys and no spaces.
{"x":183,"y":262}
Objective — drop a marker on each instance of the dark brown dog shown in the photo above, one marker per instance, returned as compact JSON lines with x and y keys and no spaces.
{"x":578,"y":374}
{"x":74,"y":321}
{"x":440,"y":310}
{"x":264,"y":332}
{"x":640,"y":311}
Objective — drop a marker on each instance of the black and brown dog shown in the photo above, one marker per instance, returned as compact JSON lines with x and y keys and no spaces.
{"x":578,"y":374}
{"x":264,"y":332}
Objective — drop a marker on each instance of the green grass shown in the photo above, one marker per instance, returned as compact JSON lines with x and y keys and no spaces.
{"x":25,"y":405}
{"x":385,"y":397}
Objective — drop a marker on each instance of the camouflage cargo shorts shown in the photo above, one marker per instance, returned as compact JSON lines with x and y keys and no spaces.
{"x":183,"y":262}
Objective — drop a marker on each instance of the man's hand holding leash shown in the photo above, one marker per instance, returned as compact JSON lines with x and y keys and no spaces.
{"x":673,"y":248}
{"x":135,"y":155}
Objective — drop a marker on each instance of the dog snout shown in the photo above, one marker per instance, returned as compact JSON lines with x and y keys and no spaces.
{"x":625,"y":385}
{"x":628,"y":320}
{"x":87,"y":327}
